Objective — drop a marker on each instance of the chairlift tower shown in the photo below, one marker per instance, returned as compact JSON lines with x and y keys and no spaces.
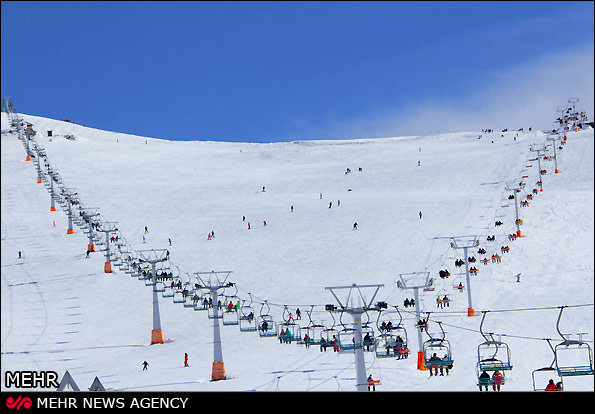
{"x":214,"y":282}
{"x":69,"y":195}
{"x":107,"y":228}
{"x":515,"y":190}
{"x":424,"y":283}
{"x":466,"y":245}
{"x":52,"y":175}
{"x":356,"y":311}
{"x":27,"y":139}
{"x":88,"y":214}
{"x":553,"y":139}
{"x":7,"y":105}
{"x":539,"y":151}
{"x":39,"y":151}
{"x":153,"y":257}
{"x":573,"y":102}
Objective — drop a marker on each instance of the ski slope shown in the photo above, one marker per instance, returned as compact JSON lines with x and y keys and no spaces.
{"x":60,"y":311}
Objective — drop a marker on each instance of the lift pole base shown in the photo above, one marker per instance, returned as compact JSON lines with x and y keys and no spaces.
{"x":470,"y":312}
{"x":28,"y":158}
{"x":420,"y":362}
{"x":218,"y":372}
{"x":107,"y":268}
{"x":157,"y":336}
{"x":52,"y":208}
{"x":70,"y":231}
{"x":91,"y":247}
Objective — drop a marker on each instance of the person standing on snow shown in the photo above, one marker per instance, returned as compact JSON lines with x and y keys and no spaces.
{"x":420,"y":214}
{"x":145,"y":365}
{"x":186,"y":360}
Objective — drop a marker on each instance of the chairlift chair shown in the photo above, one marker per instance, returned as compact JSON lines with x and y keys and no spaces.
{"x":392,"y":339}
{"x":191,"y":293}
{"x":434,"y":347}
{"x":578,"y":349}
{"x":329,"y":335}
{"x":492,"y":355}
{"x":544,"y":374}
{"x":266,"y":326}
{"x":247,"y":318}
{"x":159,"y":287}
{"x":179,"y":296}
{"x":437,"y":347}
{"x":291,"y":330}
{"x":215,"y":310}
{"x":313,"y":330}
{"x":230,"y":317}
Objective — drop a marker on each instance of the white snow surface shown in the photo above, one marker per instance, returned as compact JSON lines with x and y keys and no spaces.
{"x":60,"y":311}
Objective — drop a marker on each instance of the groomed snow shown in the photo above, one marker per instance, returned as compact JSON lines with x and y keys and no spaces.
{"x":60,"y":311}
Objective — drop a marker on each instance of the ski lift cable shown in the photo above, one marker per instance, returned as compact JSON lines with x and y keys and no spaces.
{"x":503,"y":335}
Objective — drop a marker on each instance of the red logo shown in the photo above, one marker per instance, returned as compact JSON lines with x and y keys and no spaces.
{"x":18,"y":403}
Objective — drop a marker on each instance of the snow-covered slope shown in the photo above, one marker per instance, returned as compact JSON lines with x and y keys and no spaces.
{"x":61,"y":312}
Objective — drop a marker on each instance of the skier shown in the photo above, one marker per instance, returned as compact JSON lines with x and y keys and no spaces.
{"x":330,"y":204}
{"x":186,"y":359}
{"x":145,"y":365}
{"x":87,"y":254}
{"x":169,"y":241}
{"x":20,"y":254}
{"x":354,"y":226}
{"x":418,"y":164}
{"x":243,"y":218}
{"x":420,"y":215}
{"x":292,"y":209}
{"x":338,"y":203}
{"x":263,"y":189}
{"x":371,"y":383}
{"x":146,"y":230}
{"x":265,"y":223}
{"x":248,"y":225}
{"x":144,"y":238}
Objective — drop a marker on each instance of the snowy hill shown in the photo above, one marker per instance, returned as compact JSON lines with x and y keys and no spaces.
{"x":60,"y":311}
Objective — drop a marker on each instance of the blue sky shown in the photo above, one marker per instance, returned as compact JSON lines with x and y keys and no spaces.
{"x":282,"y":71}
